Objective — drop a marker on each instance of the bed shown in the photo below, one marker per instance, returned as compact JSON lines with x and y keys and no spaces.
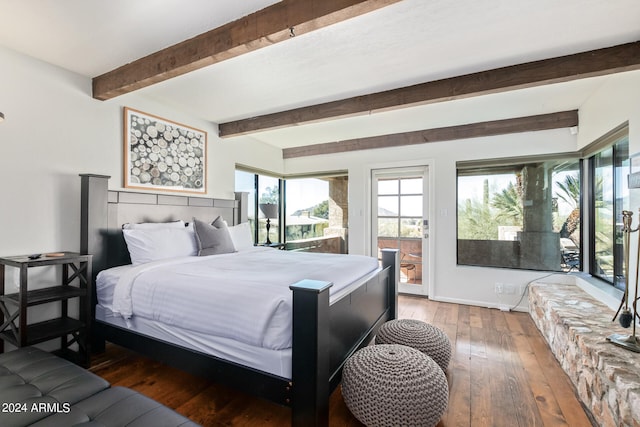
{"x":314,"y":318}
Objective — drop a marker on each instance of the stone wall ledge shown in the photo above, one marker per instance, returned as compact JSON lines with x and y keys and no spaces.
{"x":576,"y":327}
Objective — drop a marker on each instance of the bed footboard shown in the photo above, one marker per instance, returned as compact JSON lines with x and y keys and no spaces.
{"x":325,"y":336}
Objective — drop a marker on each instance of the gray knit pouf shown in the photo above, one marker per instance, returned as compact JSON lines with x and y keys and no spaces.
{"x":394,"y":385}
{"x":417,"y":334}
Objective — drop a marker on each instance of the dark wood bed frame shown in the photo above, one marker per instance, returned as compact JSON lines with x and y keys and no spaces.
{"x":324,"y":335}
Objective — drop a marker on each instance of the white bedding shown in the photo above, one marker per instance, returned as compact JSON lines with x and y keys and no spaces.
{"x":243,"y":296}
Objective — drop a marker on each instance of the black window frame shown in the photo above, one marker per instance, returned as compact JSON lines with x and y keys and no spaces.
{"x":256,"y":196}
{"x":611,"y":140}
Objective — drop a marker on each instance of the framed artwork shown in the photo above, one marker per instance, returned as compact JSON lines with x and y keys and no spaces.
{"x":160,"y":154}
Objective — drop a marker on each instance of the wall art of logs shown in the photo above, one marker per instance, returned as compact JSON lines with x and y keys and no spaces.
{"x":161,"y":154}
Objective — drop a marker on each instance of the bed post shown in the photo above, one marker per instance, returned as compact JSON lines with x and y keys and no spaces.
{"x":94,"y":196}
{"x":242,"y":212}
{"x":391,"y":259}
{"x":310,"y":364}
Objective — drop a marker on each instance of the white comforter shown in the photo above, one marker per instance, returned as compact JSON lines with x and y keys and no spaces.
{"x":244,"y":296}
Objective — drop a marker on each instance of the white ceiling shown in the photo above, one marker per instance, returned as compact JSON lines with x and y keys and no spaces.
{"x":413,"y":41}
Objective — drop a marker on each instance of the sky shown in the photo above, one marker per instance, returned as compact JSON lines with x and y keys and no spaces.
{"x":305,"y":193}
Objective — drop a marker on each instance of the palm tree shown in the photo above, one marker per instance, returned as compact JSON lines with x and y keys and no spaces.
{"x":509,"y":204}
{"x":570,"y":193}
{"x":570,"y":190}
{"x":476,"y":222}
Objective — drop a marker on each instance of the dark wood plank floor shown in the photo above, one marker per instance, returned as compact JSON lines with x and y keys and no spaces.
{"x":501,"y":374}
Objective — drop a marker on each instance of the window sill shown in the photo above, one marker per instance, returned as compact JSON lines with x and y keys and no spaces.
{"x":599,"y":290}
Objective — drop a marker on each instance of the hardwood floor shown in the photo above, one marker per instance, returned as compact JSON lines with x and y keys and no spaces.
{"x":502,"y":373}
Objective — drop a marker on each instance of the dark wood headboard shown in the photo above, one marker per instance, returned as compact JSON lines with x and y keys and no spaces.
{"x":103,"y":212}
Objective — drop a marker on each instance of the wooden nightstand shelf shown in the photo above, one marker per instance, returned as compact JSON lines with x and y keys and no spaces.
{"x":16,"y":330}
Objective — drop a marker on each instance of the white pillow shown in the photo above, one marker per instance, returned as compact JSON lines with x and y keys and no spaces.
{"x":241,"y":236}
{"x":146,"y":245}
{"x":153,"y":225}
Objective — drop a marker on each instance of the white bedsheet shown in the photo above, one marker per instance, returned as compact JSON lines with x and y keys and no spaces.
{"x":243,"y":296}
{"x":276,"y":362}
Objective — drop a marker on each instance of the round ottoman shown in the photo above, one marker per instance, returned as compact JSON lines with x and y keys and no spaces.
{"x":417,"y":334}
{"x":394,"y":385}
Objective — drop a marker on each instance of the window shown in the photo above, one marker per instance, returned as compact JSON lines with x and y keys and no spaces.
{"x":520,"y":213}
{"x":316,"y":210}
{"x":609,"y":168}
{"x":307,"y":210}
{"x":263,"y":190}
{"x":317,"y":213}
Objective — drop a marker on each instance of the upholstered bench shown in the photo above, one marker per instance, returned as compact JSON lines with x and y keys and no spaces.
{"x":40,"y":389}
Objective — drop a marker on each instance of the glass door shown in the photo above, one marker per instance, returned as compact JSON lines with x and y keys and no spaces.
{"x":400,"y":221}
{"x":609,"y":170}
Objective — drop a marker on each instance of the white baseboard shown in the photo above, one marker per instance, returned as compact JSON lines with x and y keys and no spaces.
{"x":499,"y":306}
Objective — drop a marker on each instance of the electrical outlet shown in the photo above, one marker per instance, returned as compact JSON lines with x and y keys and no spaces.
{"x":499,"y":288}
{"x":509,"y":288}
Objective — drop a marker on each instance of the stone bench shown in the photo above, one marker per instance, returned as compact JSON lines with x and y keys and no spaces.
{"x":576,"y":327}
{"x":42,"y":390}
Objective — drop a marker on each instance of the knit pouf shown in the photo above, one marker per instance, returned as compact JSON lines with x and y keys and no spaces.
{"x":394,"y":385}
{"x":417,"y":334}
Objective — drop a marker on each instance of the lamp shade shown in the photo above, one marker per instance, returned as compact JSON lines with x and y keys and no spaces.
{"x":270,"y":210}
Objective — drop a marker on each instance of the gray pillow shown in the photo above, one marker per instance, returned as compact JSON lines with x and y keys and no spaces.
{"x":214,"y":238}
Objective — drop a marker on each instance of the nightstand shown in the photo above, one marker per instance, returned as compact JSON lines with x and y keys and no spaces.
{"x":75,"y":283}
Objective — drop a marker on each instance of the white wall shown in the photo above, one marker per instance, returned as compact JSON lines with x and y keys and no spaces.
{"x":614,"y":103}
{"x":462,"y":284}
{"x":54,"y":130}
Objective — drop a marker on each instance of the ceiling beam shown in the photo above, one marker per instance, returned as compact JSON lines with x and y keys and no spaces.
{"x":266,"y":27}
{"x":563,"y":119}
{"x":625,"y":57}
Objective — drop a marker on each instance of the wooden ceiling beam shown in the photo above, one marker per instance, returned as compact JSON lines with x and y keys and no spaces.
{"x":625,"y":57}
{"x":263,"y":28}
{"x":563,"y":119}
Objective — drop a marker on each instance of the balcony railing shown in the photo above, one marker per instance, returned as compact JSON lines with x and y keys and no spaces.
{"x":329,"y":244}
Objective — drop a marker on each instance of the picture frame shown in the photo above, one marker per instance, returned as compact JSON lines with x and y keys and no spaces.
{"x":160,"y":154}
